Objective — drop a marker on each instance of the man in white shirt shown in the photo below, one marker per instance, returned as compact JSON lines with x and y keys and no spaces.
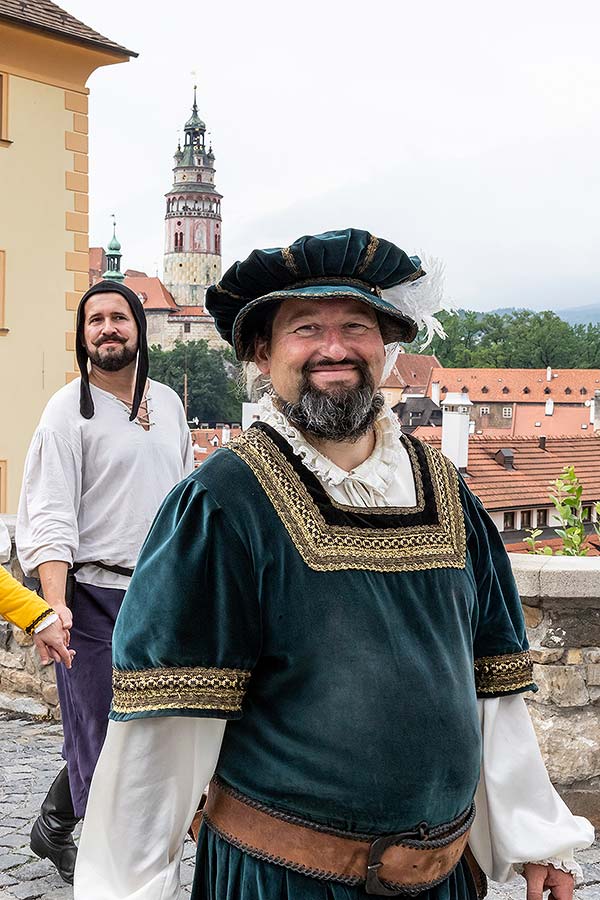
{"x":109,"y":447}
{"x":340,"y":639}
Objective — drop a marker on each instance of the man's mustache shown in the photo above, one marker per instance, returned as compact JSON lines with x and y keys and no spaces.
{"x":324,"y":363}
{"x":110,"y":340}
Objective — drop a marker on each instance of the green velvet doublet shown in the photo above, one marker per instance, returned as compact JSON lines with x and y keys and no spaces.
{"x":346,"y":645}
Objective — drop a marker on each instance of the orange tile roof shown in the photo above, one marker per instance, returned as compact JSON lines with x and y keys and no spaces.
{"x":42,"y":15}
{"x":203,"y":440}
{"x":564,"y":419}
{"x":152,"y":292}
{"x":412,"y":370}
{"x":528,"y":484}
{"x":191,"y":311}
{"x":519,"y":385}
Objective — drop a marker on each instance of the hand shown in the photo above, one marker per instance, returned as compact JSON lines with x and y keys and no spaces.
{"x":547,"y":878}
{"x":64,"y":614}
{"x":52,"y":645}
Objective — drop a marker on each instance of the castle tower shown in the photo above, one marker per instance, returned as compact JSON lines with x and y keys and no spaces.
{"x":192,"y":258}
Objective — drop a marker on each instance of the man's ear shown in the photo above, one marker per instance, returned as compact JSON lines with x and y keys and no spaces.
{"x":262,"y":355}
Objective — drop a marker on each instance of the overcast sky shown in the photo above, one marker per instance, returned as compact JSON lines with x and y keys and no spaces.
{"x":468,"y":129}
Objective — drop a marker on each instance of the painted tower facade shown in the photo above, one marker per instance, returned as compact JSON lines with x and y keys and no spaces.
{"x":192,"y":259}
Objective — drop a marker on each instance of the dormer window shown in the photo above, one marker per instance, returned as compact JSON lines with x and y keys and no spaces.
{"x":526,"y":390}
{"x":505,"y":390}
{"x":547,"y":390}
{"x":568,"y":390}
{"x":484,"y":390}
{"x":583,"y":391}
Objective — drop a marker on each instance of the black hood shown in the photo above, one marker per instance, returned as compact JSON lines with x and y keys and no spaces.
{"x":86,"y":404}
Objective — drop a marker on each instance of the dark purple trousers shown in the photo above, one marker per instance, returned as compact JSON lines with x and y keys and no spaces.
{"x":85,"y":690}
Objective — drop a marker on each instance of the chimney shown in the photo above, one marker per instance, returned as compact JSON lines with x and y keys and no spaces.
{"x":455,"y":429}
{"x":542,"y":442}
{"x":435,"y":392}
{"x":549,"y":373}
{"x":505,"y":458}
{"x":595,"y":412}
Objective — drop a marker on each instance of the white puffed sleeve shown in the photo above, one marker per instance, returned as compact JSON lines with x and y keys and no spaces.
{"x":520,"y":816}
{"x":144,"y":793}
{"x":50,"y":496}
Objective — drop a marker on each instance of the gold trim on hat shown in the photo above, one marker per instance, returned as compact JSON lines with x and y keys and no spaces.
{"x":369,"y":254}
{"x":288,"y":258}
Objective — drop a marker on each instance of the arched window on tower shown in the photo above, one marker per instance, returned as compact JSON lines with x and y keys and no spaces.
{"x":181,"y":240}
{"x":217,"y":243}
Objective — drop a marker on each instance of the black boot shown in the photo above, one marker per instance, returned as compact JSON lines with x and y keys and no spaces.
{"x":52,"y":832}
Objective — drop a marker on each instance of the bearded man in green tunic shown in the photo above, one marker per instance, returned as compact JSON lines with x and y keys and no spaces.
{"x":312,"y":620}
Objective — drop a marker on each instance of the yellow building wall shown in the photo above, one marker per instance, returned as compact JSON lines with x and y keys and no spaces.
{"x":43,"y":230}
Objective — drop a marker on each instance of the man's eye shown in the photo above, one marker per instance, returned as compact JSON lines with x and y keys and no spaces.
{"x":356,"y":326}
{"x":306,"y":329}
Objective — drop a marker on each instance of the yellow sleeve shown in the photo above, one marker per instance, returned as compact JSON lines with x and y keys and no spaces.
{"x":19,"y":605}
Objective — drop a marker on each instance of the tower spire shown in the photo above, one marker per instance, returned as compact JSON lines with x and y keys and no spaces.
{"x":113,"y":257}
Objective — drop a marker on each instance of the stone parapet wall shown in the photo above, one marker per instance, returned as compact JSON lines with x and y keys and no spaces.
{"x":25,"y":685}
{"x":561,"y":602}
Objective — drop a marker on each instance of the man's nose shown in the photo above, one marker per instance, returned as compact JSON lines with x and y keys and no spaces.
{"x":333,"y":345}
{"x":109,"y":327}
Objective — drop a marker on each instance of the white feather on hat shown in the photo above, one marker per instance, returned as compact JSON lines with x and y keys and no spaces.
{"x":423,"y":298}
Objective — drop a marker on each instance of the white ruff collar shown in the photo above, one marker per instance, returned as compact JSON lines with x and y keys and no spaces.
{"x":367,"y":484}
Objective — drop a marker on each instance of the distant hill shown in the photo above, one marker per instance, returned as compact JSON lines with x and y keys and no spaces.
{"x":576,"y":315}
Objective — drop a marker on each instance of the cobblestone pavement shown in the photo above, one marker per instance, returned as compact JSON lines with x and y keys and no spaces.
{"x":30,"y":759}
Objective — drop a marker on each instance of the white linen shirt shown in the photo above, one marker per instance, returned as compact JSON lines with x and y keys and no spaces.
{"x":92,"y":487}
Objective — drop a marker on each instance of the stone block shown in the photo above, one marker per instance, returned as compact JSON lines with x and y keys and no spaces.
{"x":583,"y":802}
{"x":21,"y":682}
{"x":543,"y":655}
{"x":561,"y":685}
{"x":533,"y":616}
{"x":575,"y":578}
{"x":22,"y":639}
{"x":25,"y":705}
{"x":554,"y":638}
{"x":594,"y":693}
{"x":570,"y":744}
{"x":591,"y":654}
{"x":592,"y":674}
{"x":580,"y":626}
{"x":50,"y":694}
{"x":10,"y":660}
{"x":574,"y":657}
{"x":526,"y":569}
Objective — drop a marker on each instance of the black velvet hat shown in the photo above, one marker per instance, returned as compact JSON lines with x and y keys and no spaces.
{"x":337,"y":264}
{"x":86,"y":404}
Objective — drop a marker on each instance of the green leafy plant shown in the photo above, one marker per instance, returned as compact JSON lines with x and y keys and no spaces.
{"x":568,"y":507}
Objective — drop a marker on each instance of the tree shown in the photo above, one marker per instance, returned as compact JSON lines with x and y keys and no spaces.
{"x":212,"y":391}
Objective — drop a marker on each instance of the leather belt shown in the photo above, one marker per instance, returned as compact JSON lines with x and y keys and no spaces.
{"x":388,"y":865}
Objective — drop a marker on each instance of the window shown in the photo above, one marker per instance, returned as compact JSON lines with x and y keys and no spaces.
{"x":586,"y":513}
{"x":542,"y":518}
{"x":3,"y":329}
{"x":4,"y":140}
{"x":505,"y":390}
{"x":526,"y":518}
{"x":507,"y":412}
{"x":187,"y":327}
{"x":484,"y":410}
{"x":484,"y":390}
{"x":509,"y":521}
{"x":3,"y":486}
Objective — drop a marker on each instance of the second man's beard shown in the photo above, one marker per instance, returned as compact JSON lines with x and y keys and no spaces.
{"x":339,"y":414}
{"x":114,"y":361}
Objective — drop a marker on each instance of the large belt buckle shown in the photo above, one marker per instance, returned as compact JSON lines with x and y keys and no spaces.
{"x":373,"y":885}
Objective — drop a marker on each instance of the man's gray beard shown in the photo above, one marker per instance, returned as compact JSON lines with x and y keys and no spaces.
{"x":115,"y":361}
{"x":342,"y":414}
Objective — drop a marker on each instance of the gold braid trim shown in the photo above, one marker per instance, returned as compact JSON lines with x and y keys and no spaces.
{"x":288,"y":258}
{"x":222,"y":290}
{"x":33,"y":625}
{"x":329,"y":548}
{"x":369,"y":254}
{"x":503,"y":674}
{"x":182,"y":688}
